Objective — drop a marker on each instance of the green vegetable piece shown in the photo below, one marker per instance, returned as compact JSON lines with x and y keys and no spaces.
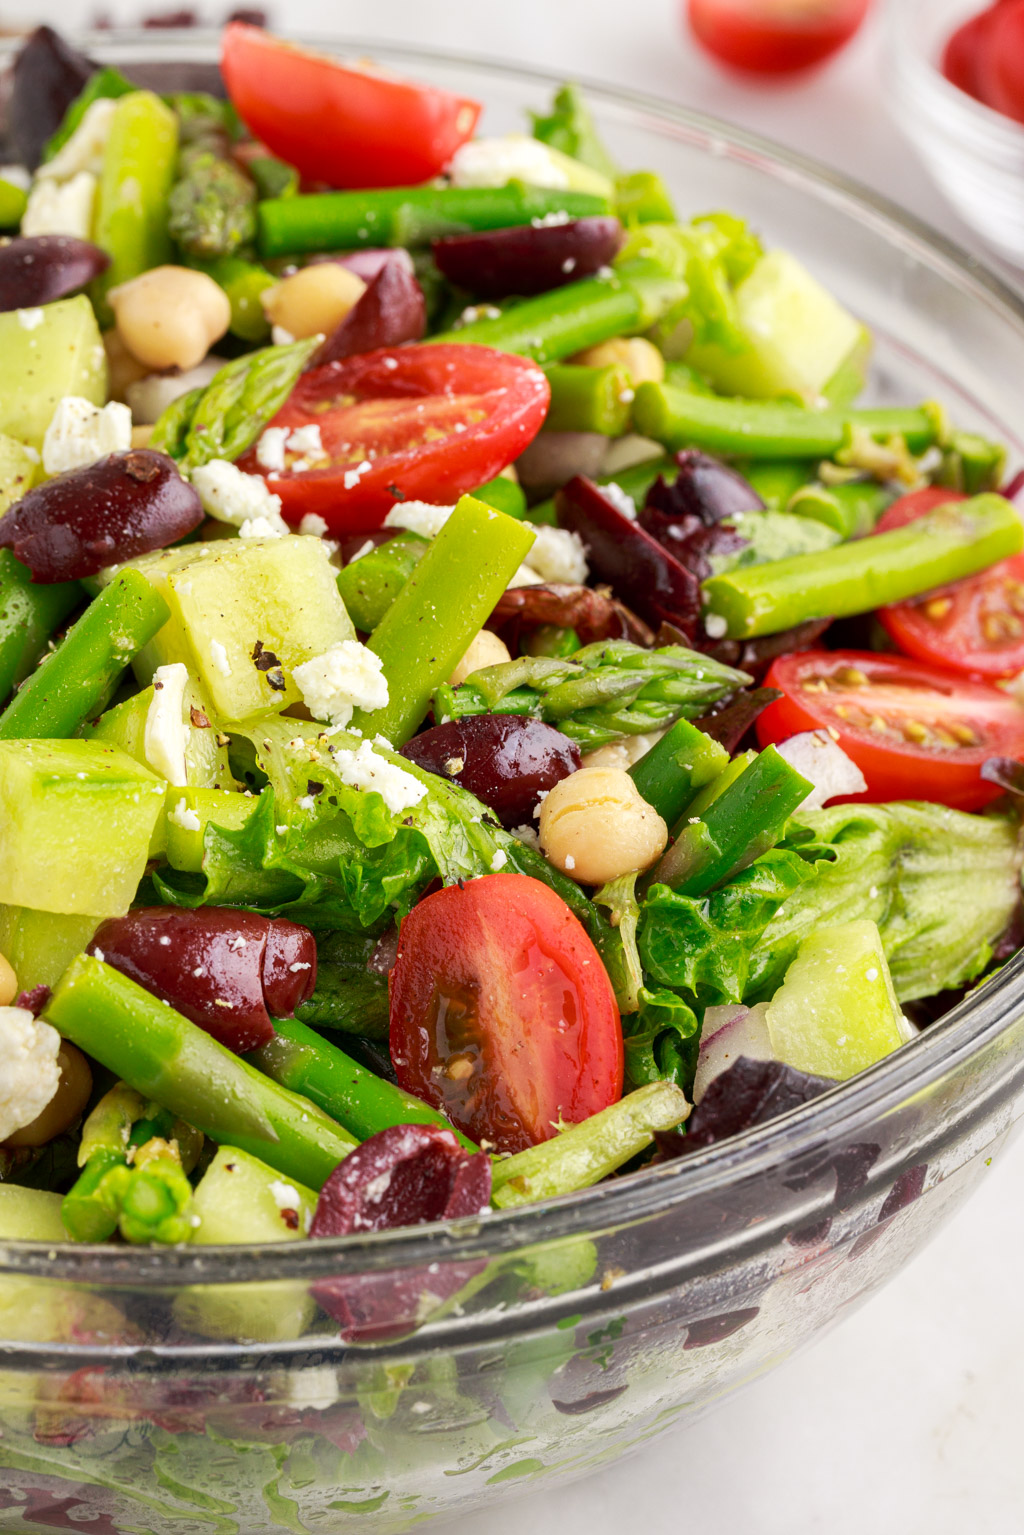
{"x":369,"y":585}
{"x":773,"y":536}
{"x":29,"y":614}
{"x":357,"y":1098}
{"x":943,"y":546}
{"x":583,"y":1154}
{"x":76,"y":821}
{"x":212,"y":206}
{"x":185,"y":843}
{"x":62,"y":354}
{"x":636,"y":481}
{"x":641,"y":197}
{"x":132,"y":200}
{"x":13,"y":202}
{"x":151,"y":1200}
{"x":273,"y":177}
{"x":972,"y":463}
{"x":424,"y":634}
{"x":588,"y":399}
{"x":243,"y":282}
{"x":74,"y":682}
{"x":328,"y":221}
{"x":19,"y":470}
{"x":167,"y":1058}
{"x":767,"y":429}
{"x":107,"y":84}
{"x":717,"y":785}
{"x":41,"y":944}
{"x":852,"y":509}
{"x":777,"y":481}
{"x":550,"y":640}
{"x":206,"y":761}
{"x":505,"y":494}
{"x":88,"y":1217}
{"x":29,"y":1215}
{"x":836,"y":1012}
{"x":680,"y":763}
{"x":569,"y":127}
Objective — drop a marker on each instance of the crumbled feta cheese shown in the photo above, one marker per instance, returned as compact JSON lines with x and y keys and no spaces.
{"x":80,"y":432}
{"x":281,"y":337}
{"x":261,"y":527}
{"x":366,"y":548}
{"x":622,"y":754}
{"x":16,"y":176}
{"x":83,"y":151}
{"x":363,"y":769}
{"x":306,"y":439}
{"x":816,"y":757}
{"x":164,"y":736}
{"x":30,"y":319}
{"x":314,"y":1390}
{"x":527,"y":835}
{"x":307,"y":802}
{"x":421,"y":517}
{"x":524,"y":576}
{"x":270,"y":449}
{"x":621,"y":500}
{"x":61,"y":209}
{"x":558,"y":555}
{"x":219,"y":657}
{"x":514,"y":157}
{"x":499,"y":860}
{"x":182,"y":816}
{"x":29,"y":1074}
{"x":569,"y":862}
{"x":345,"y":678}
{"x":284,"y":1195}
{"x":351,"y":477}
{"x":716,"y":626}
{"x":313,"y":525}
{"x":149,"y":397}
{"x":231,"y":496}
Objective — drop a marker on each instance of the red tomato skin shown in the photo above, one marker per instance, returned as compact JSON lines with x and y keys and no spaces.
{"x":748,"y":36}
{"x":961,"y":57}
{"x":503,"y":960}
{"x":1001,"y":62}
{"x":897,"y":770}
{"x":346,"y":127}
{"x":384,"y":399}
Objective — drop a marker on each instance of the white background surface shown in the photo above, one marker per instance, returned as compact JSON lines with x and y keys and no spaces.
{"x":909,"y":1418}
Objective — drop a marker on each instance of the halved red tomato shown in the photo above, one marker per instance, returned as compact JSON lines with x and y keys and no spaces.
{"x":914,"y":731}
{"x":961,"y":58}
{"x":418,"y":423}
{"x":974,"y":626}
{"x":502,"y":1014}
{"x":775,"y":36}
{"x":1001,"y":64}
{"x":347,"y":125}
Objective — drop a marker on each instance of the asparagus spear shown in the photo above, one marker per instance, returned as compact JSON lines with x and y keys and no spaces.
{"x":504,"y":494}
{"x":300,"y":1059}
{"x":584,"y":1154}
{"x":424,"y":633}
{"x":29,"y":614}
{"x":75,"y":682}
{"x":945,"y":545}
{"x":675,"y":767}
{"x":326,"y":221}
{"x":588,"y":399}
{"x":369,"y":586}
{"x":851,"y":510}
{"x":212,"y":205}
{"x":131,"y":203}
{"x":151,"y":1200}
{"x":167,"y":1058}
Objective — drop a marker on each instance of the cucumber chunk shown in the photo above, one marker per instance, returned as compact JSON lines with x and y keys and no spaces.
{"x":836,"y":1012}
{"x":30,"y":1215}
{"x":189,"y":812}
{"x":40,"y":945}
{"x":19,"y":467}
{"x":76,"y":820}
{"x":57,"y":351}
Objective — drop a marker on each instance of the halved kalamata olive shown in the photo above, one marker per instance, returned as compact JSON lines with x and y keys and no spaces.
{"x":529,"y":258}
{"x":41,"y":268}
{"x":47,"y":76}
{"x":120,"y":506}
{"x":506,"y":760}
{"x":407,"y":1175}
{"x":620,"y":552}
{"x":392,"y":310}
{"x":594,"y":614}
{"x":229,"y":971}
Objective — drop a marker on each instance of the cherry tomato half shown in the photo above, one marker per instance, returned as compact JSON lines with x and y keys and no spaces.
{"x":418,"y":423}
{"x":962,"y":55}
{"x":914,"y":731}
{"x":502,"y":1013}
{"x":346,"y":125}
{"x":974,"y":626}
{"x":1001,"y":62}
{"x":775,"y":36}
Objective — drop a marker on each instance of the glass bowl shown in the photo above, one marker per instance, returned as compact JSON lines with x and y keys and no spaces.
{"x":974,"y":154}
{"x":513,"y":1351}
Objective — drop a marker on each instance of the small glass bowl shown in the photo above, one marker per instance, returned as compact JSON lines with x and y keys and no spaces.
{"x":974,"y":154}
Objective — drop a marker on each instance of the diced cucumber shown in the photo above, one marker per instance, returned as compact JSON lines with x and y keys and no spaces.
{"x":40,"y":945}
{"x":836,"y":1012}
{"x":46,"y":354}
{"x":240,"y":1201}
{"x":18,"y":469}
{"x":124,"y":726}
{"x":43,"y":1310}
{"x":801,"y":341}
{"x":30,"y":1215}
{"x":76,"y":820}
{"x":208,"y":807}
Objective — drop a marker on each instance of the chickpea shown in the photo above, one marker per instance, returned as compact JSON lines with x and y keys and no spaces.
{"x":9,"y":981}
{"x":595,"y":825}
{"x":141,"y":436}
{"x":637,"y":356}
{"x":67,"y":1104}
{"x":314,"y":301}
{"x":485,"y":649}
{"x":170,"y":316}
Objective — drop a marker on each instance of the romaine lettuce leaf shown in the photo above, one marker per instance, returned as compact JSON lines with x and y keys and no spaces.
{"x":569,"y":127}
{"x":661,"y":1040}
{"x":711,"y":255}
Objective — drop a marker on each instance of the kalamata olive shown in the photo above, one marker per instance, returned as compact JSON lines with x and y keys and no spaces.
{"x":690,"y":515}
{"x":504,"y":759}
{"x":47,"y":76}
{"x":407,"y":1175}
{"x":391,"y":310}
{"x":619,"y":551}
{"x":120,"y":506}
{"x":594,"y":615}
{"x":227,"y":970}
{"x":529,"y":258}
{"x":41,"y":268}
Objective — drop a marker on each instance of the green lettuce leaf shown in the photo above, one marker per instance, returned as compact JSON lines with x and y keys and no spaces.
{"x":661,"y":1040}
{"x":711,"y":255}
{"x":569,"y":127}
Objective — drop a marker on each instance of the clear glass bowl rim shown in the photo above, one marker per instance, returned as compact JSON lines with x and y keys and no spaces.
{"x":966,"y":1031}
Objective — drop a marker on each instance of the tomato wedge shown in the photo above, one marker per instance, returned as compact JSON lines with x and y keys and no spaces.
{"x":914,"y":731}
{"x":346,"y":125}
{"x":975,"y":626}
{"x":1001,"y":64}
{"x":775,"y":36}
{"x":502,"y":1014}
{"x":418,"y":423}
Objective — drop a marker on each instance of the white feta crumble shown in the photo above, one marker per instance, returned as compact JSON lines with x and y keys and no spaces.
{"x":164,"y":736}
{"x":16,"y":176}
{"x":284,"y":1195}
{"x":29,"y":1073}
{"x":715,"y":626}
{"x":314,"y":1390}
{"x":312,"y":525}
{"x":345,"y":678}
{"x":229,"y":495}
{"x":80,"y":432}
{"x":306,"y":439}
{"x":558,"y":555}
{"x":363,"y":769}
{"x":366,"y":548}
{"x":816,"y":757}
{"x":513,"y":157}
{"x":570,"y":862}
{"x":421,"y":517}
{"x":260,"y":527}
{"x":219,"y":657}
{"x":525,"y":576}
{"x":307,"y":802}
{"x":499,"y":860}
{"x":621,"y":500}
{"x":351,"y":477}
{"x":83,"y":151}
{"x":527,"y":835}
{"x":270,"y":449}
{"x":29,"y":319}
{"x":182,"y":816}
{"x":61,"y":208}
